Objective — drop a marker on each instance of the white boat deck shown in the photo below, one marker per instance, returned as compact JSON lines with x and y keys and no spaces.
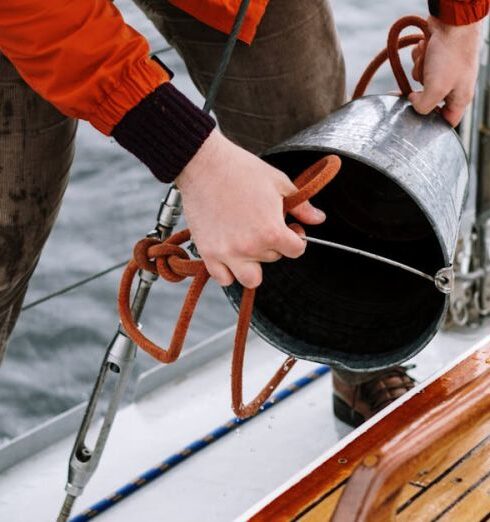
{"x":225,"y":479}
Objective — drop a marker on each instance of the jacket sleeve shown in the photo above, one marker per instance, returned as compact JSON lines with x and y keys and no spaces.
{"x":83,"y":58}
{"x":459,"y":12}
{"x":80,"y":56}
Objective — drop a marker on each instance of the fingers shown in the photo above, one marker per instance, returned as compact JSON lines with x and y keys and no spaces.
{"x":289,"y":244}
{"x":418,"y":52}
{"x":305,"y":212}
{"x":219,"y":272}
{"x":456,"y":102}
{"x":447,"y":67}
{"x":270,"y":256}
{"x":298,"y":229}
{"x":308,"y":214}
{"x":453,"y":114}
{"x":248,"y":273}
{"x":424,"y":102}
{"x":417,"y":70}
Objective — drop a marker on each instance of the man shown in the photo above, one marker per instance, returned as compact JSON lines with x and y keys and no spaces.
{"x":287,"y":73}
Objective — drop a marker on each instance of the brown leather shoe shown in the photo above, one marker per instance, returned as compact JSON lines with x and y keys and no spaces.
{"x":353,"y":404}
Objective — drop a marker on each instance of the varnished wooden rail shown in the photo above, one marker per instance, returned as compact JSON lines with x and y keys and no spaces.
{"x":372,"y":491}
{"x":314,"y":496}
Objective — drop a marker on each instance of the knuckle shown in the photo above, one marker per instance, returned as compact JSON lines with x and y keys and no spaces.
{"x":220,"y":274}
{"x":214,"y":273}
{"x":439,"y":92}
{"x":245,"y":247}
{"x":467,"y":95}
{"x":226,"y":280}
{"x":221,"y":280}
{"x":422,"y":107}
{"x":206,"y":252}
{"x":225,"y":251}
{"x":252,"y":281}
{"x":274,"y":235}
{"x":250,"y":276}
{"x":297,"y":250}
{"x":270,"y":257}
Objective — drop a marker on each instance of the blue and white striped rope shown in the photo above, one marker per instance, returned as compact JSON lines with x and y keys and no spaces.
{"x":196,"y":446}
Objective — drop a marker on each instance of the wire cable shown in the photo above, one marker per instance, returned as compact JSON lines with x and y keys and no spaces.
{"x":208,"y":105}
{"x":225,"y":58}
{"x":78,"y":284}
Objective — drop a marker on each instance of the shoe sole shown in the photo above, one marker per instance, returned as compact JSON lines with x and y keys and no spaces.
{"x":345,"y":413}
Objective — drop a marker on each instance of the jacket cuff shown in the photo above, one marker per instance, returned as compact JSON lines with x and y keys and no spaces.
{"x":164,"y":131}
{"x":137,"y":81}
{"x":459,"y":12}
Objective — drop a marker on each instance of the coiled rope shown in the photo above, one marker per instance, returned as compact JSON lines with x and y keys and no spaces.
{"x":171,"y":262}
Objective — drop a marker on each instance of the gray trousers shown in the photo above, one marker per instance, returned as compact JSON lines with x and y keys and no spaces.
{"x":290,"y":77}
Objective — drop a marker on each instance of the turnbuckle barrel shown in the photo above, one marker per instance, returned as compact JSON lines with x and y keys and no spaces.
{"x":118,"y":362}
{"x":168,"y":216}
{"x":83,"y":461}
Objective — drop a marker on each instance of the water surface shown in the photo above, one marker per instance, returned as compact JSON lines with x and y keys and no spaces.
{"x":111,"y":201}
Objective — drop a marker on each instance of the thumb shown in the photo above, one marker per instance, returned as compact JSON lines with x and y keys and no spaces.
{"x":425,"y":101}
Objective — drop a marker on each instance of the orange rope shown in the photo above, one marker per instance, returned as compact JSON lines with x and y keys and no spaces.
{"x":171,"y":262}
{"x":391,"y":53}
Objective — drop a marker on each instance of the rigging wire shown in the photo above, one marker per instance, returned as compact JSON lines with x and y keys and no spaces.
{"x":210,"y":98}
{"x":78,"y":284}
{"x":102,"y":273}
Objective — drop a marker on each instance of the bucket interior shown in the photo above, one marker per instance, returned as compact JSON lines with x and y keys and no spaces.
{"x":334,"y":305}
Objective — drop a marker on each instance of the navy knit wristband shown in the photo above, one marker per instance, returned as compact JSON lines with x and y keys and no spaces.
{"x":164,"y":131}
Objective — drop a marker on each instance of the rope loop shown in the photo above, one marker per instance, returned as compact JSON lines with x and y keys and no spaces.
{"x":141,"y":256}
{"x":393,"y":48}
{"x":171,"y":262}
{"x":312,"y":180}
{"x":391,"y":53}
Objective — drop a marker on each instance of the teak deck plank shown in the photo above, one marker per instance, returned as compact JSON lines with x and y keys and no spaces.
{"x":432,"y":502}
{"x":427,"y":475}
{"x":408,"y":492}
{"x":447,"y":492}
{"x":303,"y":498}
{"x":473,"y":507}
{"x":324,"y":510}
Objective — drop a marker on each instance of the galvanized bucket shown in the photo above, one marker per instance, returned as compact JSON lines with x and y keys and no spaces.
{"x":400,"y":195}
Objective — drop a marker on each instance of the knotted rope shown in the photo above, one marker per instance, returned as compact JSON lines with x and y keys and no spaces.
{"x":171,"y":262}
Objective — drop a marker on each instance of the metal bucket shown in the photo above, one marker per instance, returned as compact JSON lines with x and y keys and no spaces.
{"x":399,"y":194}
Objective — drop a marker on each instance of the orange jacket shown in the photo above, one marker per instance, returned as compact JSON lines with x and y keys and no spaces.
{"x":83,"y":58}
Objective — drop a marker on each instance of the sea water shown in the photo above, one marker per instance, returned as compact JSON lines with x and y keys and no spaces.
{"x":111,"y":202}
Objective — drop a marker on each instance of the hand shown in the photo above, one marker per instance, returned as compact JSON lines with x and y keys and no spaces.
{"x":450,"y":69}
{"x":233,"y":204}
